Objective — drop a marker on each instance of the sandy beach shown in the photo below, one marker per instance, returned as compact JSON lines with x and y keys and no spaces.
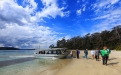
{"x":90,"y":66}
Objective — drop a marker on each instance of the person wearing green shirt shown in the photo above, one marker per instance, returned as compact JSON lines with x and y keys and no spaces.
{"x":105,"y":53}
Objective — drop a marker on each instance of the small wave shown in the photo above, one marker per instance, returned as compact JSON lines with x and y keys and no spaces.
{"x":23,"y":56}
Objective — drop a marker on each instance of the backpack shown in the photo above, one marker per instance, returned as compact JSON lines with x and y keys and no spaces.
{"x":109,"y":50}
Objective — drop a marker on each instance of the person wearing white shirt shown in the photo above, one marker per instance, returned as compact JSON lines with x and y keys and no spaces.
{"x":71,"y":53}
{"x":93,"y":53}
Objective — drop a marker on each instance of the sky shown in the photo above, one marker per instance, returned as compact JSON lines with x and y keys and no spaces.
{"x":34,"y":23}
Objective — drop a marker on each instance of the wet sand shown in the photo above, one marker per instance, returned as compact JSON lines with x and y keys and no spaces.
{"x":90,"y":66}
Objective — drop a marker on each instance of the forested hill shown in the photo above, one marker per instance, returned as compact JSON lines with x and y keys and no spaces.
{"x":12,"y":48}
{"x":112,"y":39}
{"x":8,"y":48}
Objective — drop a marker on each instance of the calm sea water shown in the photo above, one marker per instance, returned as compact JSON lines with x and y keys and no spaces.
{"x":16,"y":64}
{"x":15,"y":54}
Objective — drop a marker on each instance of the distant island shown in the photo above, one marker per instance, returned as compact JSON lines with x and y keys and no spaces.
{"x":12,"y":48}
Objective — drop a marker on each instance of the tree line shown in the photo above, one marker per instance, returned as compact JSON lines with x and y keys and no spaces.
{"x":110,"y":38}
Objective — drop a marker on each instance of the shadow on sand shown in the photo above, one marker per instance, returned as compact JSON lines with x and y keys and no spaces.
{"x":112,"y":59}
{"x":113,"y":63}
{"x":89,"y":58}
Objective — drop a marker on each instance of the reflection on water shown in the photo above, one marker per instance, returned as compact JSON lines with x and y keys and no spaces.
{"x":33,"y":67}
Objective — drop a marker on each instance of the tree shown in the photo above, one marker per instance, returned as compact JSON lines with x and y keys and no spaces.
{"x":51,"y":46}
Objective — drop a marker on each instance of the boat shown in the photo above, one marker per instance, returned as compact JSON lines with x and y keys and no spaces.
{"x":53,"y":53}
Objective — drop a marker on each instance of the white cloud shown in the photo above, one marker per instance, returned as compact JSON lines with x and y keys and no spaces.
{"x":1,"y":45}
{"x":108,"y":21}
{"x":51,"y":9}
{"x":19,"y":24}
{"x":78,"y":1}
{"x":79,"y":12}
{"x":114,"y":14}
{"x":114,"y":1}
{"x":84,"y":8}
{"x":25,"y":36}
{"x":30,"y":6}
{"x":105,"y":3}
{"x":102,"y":17}
{"x":107,"y":15}
{"x":64,"y":2}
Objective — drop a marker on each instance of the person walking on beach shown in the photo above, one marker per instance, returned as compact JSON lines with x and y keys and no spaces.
{"x":101,"y":55}
{"x":86,"y":53}
{"x":97,"y":53}
{"x":93,"y":54}
{"x":71,"y":53}
{"x":105,"y":53}
{"x":78,"y":52}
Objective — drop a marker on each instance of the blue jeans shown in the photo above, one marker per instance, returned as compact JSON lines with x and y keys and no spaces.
{"x":85,"y":55}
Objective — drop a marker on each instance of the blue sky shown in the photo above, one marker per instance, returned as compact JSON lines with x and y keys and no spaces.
{"x":30,"y":23}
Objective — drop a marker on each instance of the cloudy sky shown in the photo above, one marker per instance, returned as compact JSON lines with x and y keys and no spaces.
{"x":30,"y":23}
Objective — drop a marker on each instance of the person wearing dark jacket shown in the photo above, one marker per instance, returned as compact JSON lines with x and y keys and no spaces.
{"x":86,"y":53}
{"x":78,"y":52}
{"x":97,"y":53}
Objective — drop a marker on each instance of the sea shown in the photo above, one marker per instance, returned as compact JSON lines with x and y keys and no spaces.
{"x":23,"y":62}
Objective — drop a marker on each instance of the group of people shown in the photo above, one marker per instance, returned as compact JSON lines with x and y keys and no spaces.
{"x":104,"y":53}
{"x":96,"y":54}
